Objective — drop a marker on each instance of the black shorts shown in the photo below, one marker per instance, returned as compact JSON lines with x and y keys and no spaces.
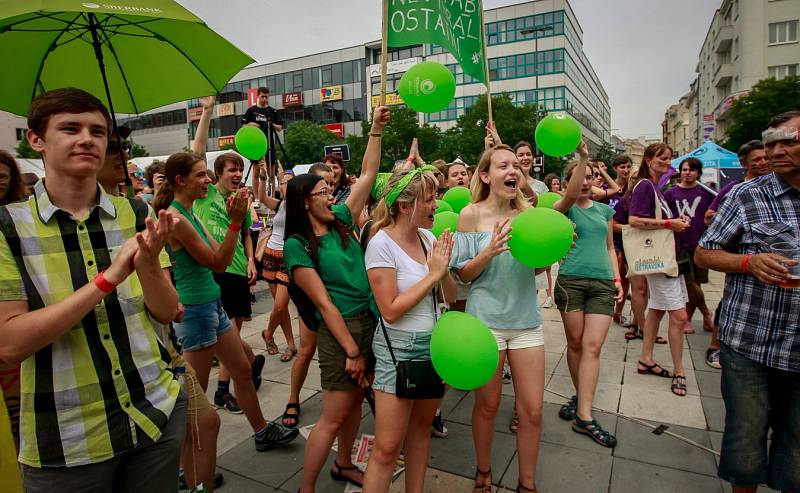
{"x":235,"y":294}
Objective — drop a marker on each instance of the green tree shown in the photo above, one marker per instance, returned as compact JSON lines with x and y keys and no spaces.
{"x":138,"y":151}
{"x":402,"y":128}
{"x":357,"y":145}
{"x":750,"y":114}
{"x":25,"y":151}
{"x":305,"y":141}
{"x":606,"y":153}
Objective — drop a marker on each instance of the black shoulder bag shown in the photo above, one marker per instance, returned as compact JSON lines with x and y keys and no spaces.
{"x":416,"y":379}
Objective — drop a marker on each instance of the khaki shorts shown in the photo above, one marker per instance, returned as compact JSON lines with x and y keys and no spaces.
{"x":582,"y":294}
{"x":696,"y":273}
{"x":198,"y":404}
{"x":332,"y":357}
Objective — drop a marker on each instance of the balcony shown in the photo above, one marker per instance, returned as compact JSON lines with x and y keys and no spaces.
{"x":724,"y":39}
{"x":723,"y":75}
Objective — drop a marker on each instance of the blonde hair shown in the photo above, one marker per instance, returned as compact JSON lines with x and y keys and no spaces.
{"x":569,"y":169}
{"x":480,"y":190}
{"x":385,"y":216}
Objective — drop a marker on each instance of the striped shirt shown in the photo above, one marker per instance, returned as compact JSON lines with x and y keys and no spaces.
{"x":85,"y":396}
{"x":758,"y":320}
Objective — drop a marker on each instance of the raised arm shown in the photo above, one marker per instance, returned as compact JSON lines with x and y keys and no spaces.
{"x":201,"y":136}
{"x":613,"y":187}
{"x":359,"y":193}
{"x":575,"y":184}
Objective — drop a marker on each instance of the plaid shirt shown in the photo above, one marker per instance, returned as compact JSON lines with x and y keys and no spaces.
{"x":758,"y":320}
{"x":83,"y":396}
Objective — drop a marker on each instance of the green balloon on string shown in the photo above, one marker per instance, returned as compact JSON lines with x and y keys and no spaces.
{"x":558,"y":134}
{"x":443,"y":221}
{"x":540,"y":237}
{"x":547,"y":200}
{"x":458,"y":198}
{"x":251,"y":142}
{"x":463,"y":351}
{"x":442,"y":206}
{"x":427,"y":87}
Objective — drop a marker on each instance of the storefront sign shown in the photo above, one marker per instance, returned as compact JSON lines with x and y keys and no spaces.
{"x":395,"y":67}
{"x":225,"y":109}
{"x":336,"y":129}
{"x":252,"y":97}
{"x":392,"y":99}
{"x":292,"y":99}
{"x":227,"y":140}
{"x":194,"y":114}
{"x":708,"y":126}
{"x":331,"y":93}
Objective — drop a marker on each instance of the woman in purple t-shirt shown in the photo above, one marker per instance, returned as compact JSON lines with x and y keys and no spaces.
{"x":666,"y":294}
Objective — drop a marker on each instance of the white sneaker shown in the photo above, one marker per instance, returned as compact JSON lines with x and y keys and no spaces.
{"x":506,"y":373}
{"x":548,"y":303}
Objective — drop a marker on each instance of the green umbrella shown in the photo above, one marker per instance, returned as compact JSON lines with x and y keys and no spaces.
{"x":136,"y":54}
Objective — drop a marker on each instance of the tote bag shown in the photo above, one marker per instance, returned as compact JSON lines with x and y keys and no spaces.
{"x":650,"y":251}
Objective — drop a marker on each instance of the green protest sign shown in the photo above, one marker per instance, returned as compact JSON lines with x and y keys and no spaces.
{"x":455,"y":25}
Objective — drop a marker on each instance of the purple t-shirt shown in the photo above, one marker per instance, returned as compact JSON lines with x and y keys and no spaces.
{"x":643,"y":204}
{"x":721,"y":194}
{"x":692,"y":203}
{"x":619,"y":202}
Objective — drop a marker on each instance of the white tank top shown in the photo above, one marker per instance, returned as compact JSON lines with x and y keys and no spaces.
{"x":275,"y":241}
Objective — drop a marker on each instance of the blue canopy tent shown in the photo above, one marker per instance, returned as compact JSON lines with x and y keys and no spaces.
{"x":719,"y":164}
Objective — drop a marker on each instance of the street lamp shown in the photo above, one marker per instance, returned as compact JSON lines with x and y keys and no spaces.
{"x":537,"y":31}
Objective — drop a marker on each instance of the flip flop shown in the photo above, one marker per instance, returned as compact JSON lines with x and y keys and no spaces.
{"x":272,"y":348}
{"x":288,"y":355}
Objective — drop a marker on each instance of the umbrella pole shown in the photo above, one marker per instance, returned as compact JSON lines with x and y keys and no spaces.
{"x":98,"y":53}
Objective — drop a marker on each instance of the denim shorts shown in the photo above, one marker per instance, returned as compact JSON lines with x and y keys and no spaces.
{"x":202,"y":325}
{"x":406,"y":346}
{"x":758,"y":398}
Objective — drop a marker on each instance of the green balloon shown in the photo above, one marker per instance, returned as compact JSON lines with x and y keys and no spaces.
{"x":540,"y":237}
{"x":463,"y":351}
{"x":427,"y":87}
{"x":251,"y":143}
{"x":548,"y":199}
{"x":442,"y":206}
{"x":458,"y":198}
{"x":444,"y":221}
{"x":558,"y":135}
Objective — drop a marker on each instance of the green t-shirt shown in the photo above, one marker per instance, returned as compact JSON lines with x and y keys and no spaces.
{"x":193,"y":281}
{"x":589,"y":256}
{"x":214,"y":215}
{"x":341,"y":269}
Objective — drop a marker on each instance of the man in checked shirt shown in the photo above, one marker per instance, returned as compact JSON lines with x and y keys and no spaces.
{"x":759,"y":330}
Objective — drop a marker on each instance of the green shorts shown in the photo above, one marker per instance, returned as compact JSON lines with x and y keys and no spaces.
{"x":332,"y":357}
{"x":695,"y":273}
{"x":582,"y":294}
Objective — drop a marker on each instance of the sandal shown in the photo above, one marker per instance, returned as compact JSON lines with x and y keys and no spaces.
{"x":653,"y":369}
{"x":272,"y":348}
{"x":288,"y":355}
{"x":482,"y":487}
{"x":521,"y":488}
{"x":596,"y":432}
{"x":678,"y":384}
{"x":337,"y":475}
{"x":294,"y":418}
{"x":513,"y":425}
{"x":567,"y":411}
{"x":633,"y":334}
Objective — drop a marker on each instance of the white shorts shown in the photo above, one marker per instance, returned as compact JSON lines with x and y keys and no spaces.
{"x":518,"y":338}
{"x":666,"y":293}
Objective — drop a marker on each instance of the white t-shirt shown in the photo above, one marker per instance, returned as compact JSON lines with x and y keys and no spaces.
{"x":382,"y":251}
{"x":275,"y":241}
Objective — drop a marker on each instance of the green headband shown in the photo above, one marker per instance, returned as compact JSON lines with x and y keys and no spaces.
{"x":391,"y":196}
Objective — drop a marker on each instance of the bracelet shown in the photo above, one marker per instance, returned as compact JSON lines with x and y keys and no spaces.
{"x":745,"y":260}
{"x":102,"y":283}
{"x":235,"y":227}
{"x":376,"y":134}
{"x":354,"y":357}
{"x":667,"y":223}
{"x":410,"y":158}
{"x":617,"y":280}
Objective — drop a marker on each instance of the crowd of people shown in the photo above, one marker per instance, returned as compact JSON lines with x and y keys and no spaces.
{"x":116,"y":307}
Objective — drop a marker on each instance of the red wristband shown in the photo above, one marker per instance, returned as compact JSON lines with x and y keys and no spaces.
{"x":103,"y":285}
{"x":745,"y":259}
{"x":667,"y":223}
{"x":618,"y":280}
{"x":235,"y":227}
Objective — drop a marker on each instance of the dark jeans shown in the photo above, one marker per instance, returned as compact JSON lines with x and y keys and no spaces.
{"x":151,"y":467}
{"x":759,"y":398}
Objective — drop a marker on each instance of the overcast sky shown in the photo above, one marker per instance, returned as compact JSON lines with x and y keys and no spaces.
{"x":644,"y":51}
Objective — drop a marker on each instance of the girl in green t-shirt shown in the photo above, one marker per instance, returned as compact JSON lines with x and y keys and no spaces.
{"x":324,"y":259}
{"x":587,"y":287}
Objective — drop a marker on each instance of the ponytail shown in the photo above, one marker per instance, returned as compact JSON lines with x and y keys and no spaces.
{"x":178,"y":164}
{"x":164,"y":196}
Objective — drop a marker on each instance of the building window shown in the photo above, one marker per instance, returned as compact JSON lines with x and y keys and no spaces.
{"x":21,"y":133}
{"x":780,"y":71}
{"x":783,"y":32}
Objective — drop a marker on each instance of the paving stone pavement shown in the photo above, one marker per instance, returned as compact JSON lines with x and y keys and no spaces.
{"x":568,"y":462}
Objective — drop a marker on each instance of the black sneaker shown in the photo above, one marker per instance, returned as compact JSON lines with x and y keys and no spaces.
{"x":437,"y":428}
{"x":275,"y":436}
{"x":568,"y":410}
{"x":226,"y":401}
{"x":257,"y":367}
{"x":252,"y":298}
{"x":218,"y":480}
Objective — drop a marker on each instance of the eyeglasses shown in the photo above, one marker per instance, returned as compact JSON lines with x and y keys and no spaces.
{"x":322,"y":193}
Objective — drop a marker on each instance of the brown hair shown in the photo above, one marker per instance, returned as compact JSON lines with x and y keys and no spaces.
{"x":621,"y":159}
{"x":228,"y":157}
{"x":67,"y":100}
{"x":318,"y":168}
{"x":521,"y":144}
{"x":643,"y":172}
{"x":16,"y":189}
{"x":480,"y":190}
{"x":263,"y":90}
{"x":149,"y":172}
{"x":178,"y":164}
{"x":570,"y":168}
{"x":548,"y":180}
{"x":747,"y":148}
